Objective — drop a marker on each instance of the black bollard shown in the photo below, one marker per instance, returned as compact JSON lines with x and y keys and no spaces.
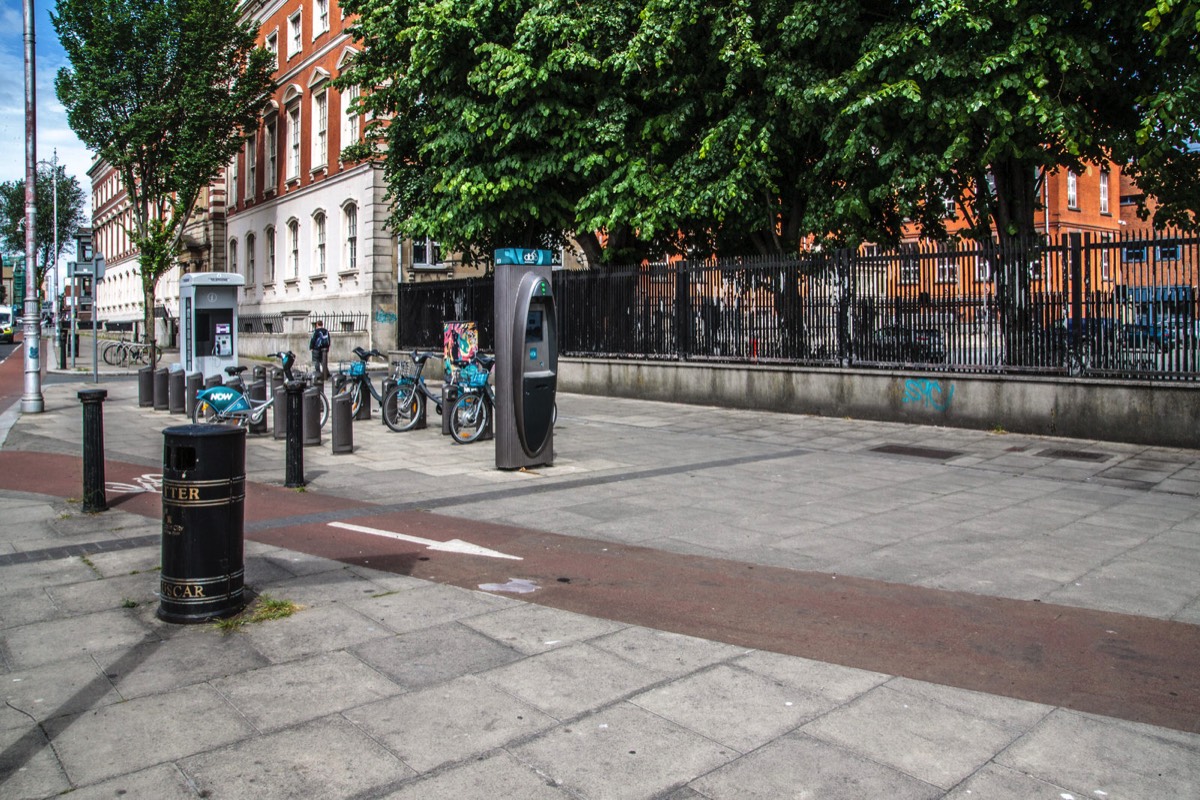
{"x":257,"y":391}
{"x":146,"y":387}
{"x":162,"y":389}
{"x":312,"y":415}
{"x":260,"y":373}
{"x":343,"y":425}
{"x":279,"y":411}
{"x":94,"y":498}
{"x":195,"y":382}
{"x":449,"y":398}
{"x":176,"y":386}
{"x":294,"y":446}
{"x":62,"y":347}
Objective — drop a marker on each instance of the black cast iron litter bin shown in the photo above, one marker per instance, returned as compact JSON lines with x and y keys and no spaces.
{"x":204,"y":496}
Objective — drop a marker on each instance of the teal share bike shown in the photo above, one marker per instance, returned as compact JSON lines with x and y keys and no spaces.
{"x":225,"y":405}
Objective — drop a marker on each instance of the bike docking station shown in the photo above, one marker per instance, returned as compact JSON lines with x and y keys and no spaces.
{"x":208,"y":303}
{"x":526,"y":372}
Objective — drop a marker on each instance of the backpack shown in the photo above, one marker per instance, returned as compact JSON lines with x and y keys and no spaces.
{"x":321,"y":339}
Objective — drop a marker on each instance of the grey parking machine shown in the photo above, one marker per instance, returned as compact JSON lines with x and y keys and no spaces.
{"x":526,"y":371}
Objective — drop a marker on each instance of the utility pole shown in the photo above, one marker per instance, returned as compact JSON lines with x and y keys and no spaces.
{"x":32,"y":401}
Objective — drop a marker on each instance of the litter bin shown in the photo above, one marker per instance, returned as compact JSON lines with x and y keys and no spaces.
{"x":203,"y":518}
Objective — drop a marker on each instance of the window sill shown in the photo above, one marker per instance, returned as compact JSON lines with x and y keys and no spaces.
{"x":430,"y":267}
{"x":1073,"y":208}
{"x":320,"y":169}
{"x":291,"y":281}
{"x":318,"y":278}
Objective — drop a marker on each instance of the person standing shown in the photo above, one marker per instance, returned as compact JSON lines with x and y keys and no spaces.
{"x":319,"y":345}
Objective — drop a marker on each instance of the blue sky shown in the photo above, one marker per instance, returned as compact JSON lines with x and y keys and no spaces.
{"x":53,"y":131}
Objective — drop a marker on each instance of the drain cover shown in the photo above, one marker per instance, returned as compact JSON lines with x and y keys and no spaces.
{"x":1074,"y":455}
{"x":916,"y":451}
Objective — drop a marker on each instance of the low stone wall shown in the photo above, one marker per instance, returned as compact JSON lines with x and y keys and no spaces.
{"x":258,"y":345}
{"x":1124,"y":411}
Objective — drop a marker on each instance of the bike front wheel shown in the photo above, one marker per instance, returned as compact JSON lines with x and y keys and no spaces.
{"x":110,"y":353}
{"x":202,"y":412}
{"x":402,"y":407}
{"x":468,"y":418}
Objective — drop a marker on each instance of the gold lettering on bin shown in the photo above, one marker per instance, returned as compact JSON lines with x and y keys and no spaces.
{"x":181,"y":592}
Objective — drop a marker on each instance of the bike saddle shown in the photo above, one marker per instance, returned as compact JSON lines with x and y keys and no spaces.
{"x":485,"y":360}
{"x":424,"y":355}
{"x":233,"y":372}
{"x":364,"y":354}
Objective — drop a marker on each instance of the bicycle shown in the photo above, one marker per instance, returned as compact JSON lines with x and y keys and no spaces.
{"x":476,"y":399}
{"x":225,"y":404}
{"x":359,"y":386}
{"x":403,"y":404}
{"x":117,"y":353}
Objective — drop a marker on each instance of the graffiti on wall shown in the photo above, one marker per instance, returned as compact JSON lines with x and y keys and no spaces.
{"x":928,"y":393}
{"x":385,"y":317}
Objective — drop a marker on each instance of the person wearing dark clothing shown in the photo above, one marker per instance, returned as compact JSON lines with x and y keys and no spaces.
{"x":319,"y":345}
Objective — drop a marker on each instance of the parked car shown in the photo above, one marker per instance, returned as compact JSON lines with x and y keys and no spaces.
{"x":6,"y":326}
{"x":909,"y":345}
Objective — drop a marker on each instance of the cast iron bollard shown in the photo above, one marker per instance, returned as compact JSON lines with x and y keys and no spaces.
{"x":343,"y":425}
{"x":312,"y":415}
{"x":146,"y":387}
{"x":277,"y":379}
{"x":94,"y":498}
{"x":257,"y":392}
{"x":177,"y":385}
{"x":195,"y":382}
{"x":212,"y":381}
{"x":279,"y":412}
{"x":260,"y":373}
{"x":203,"y":499}
{"x":62,"y":346}
{"x":162,"y":399}
{"x":294,"y":446}
{"x":364,"y":406}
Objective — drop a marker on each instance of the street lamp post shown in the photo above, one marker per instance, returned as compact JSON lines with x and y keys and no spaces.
{"x":32,"y":401}
{"x":53,"y":164}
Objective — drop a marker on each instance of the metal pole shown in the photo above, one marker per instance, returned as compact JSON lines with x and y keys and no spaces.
{"x":94,"y":498}
{"x":32,"y":401}
{"x":54,"y":286}
{"x":95,"y":342}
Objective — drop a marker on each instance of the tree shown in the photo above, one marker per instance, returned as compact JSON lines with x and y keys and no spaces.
{"x":162,"y":90}
{"x":70,"y":215}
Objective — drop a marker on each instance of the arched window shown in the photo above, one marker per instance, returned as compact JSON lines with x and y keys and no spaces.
{"x":319,"y":243}
{"x":293,"y":245}
{"x":250,"y":259}
{"x":350,"y":236}
{"x":269,"y":235}
{"x":233,"y":253}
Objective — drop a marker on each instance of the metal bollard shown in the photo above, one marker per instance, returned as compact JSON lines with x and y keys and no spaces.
{"x":277,"y":379}
{"x":279,"y":413}
{"x":294,"y":449}
{"x":364,"y":408}
{"x":62,"y":346}
{"x":146,"y":387}
{"x":211,"y":381}
{"x":260,"y":373}
{"x":176,"y":388}
{"x":94,"y":498}
{"x":343,"y":424}
{"x":311,"y":415}
{"x":195,"y":382}
{"x":203,"y":508}
{"x":449,"y":397}
{"x":257,"y":392}
{"x":162,"y":398}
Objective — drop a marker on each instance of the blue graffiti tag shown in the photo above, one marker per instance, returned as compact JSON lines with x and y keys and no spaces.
{"x":928,"y":393}
{"x":385,"y":317}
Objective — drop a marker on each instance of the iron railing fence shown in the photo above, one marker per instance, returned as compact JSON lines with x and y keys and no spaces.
{"x":336,"y":322}
{"x":1124,"y":307}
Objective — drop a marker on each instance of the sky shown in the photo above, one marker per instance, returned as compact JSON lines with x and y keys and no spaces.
{"x":52,"y":129}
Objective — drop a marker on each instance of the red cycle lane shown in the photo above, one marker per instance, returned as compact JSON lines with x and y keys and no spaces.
{"x":1135,"y":668}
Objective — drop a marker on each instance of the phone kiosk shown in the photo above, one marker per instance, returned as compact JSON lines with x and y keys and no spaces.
{"x":208,"y":303}
{"x":526,"y":370}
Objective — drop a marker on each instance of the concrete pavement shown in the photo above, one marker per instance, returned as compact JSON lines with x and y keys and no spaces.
{"x":708,"y":604}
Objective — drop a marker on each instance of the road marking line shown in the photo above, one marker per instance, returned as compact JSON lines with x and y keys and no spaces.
{"x":452,"y":546}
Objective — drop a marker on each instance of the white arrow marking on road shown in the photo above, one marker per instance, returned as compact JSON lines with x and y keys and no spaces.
{"x":452,"y":546}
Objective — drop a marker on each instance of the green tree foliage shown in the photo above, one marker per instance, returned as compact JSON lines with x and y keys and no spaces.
{"x":686,"y":126}
{"x":162,"y":90}
{"x":70,"y":215}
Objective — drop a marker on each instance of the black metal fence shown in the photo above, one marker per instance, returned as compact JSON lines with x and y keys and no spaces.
{"x":1122,"y":307}
{"x":339,"y":322}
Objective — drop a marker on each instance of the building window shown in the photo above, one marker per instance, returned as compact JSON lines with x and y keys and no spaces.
{"x":269,"y":235}
{"x":319,"y":243}
{"x":233,"y":251}
{"x":249,"y":259}
{"x":1104,"y":192}
{"x":251,"y":166}
{"x":1168,"y":252}
{"x":951,"y":207}
{"x":426,"y":253}
{"x":1072,"y":190}
{"x":1134,"y":253}
{"x":295,"y":43}
{"x":350,"y":126}
{"x":910,"y":267}
{"x":293,"y":227}
{"x":350,"y":262}
{"x":271,"y":45}
{"x":293,"y":134}
{"x":321,"y":23}
{"x":1105,"y":256}
{"x":320,"y":139}
{"x":947,"y":264}
{"x":232,"y":187}
{"x":272,"y":156}
{"x":983,"y":271}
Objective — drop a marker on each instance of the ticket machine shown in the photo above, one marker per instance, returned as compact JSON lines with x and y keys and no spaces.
{"x":208,"y":303}
{"x":526,"y":370}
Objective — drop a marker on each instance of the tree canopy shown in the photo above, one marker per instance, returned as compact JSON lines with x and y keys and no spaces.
{"x":651,"y":127}
{"x":162,"y":90}
{"x":70,"y":214}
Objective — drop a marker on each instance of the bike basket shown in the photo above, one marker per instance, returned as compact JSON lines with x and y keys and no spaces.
{"x":405,"y":370}
{"x":473,"y":377}
{"x":358,"y":369}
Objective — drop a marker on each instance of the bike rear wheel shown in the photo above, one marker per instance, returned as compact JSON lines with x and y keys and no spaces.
{"x":402,"y":407}
{"x":110,"y":353}
{"x":202,"y":412}
{"x":468,"y":418}
{"x":324,"y":409}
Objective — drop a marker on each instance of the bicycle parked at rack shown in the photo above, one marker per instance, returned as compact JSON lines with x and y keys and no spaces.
{"x":470,"y":414}
{"x":405,"y":402}
{"x":226,"y":405}
{"x":118,"y":353}
{"x":359,"y":385}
